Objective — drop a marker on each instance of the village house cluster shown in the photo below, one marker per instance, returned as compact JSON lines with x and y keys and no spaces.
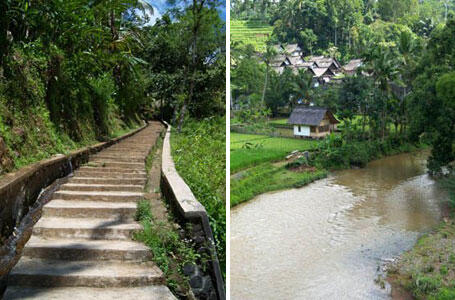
{"x":323,"y":69}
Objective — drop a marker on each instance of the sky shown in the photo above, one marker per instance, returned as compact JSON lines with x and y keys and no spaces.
{"x":160,"y":7}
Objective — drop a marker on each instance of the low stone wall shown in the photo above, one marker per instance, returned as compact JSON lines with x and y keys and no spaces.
{"x":191,"y":212}
{"x":23,"y":193}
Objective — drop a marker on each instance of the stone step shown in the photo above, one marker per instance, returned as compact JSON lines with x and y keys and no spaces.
{"x":117,"y":164}
{"x":119,"y":158}
{"x":86,"y":293}
{"x":61,"y":273}
{"x":101,"y":187}
{"x":77,"y":249}
{"x":106,"y":180}
{"x":90,"y":209}
{"x":140,"y":170}
{"x":114,"y":196}
{"x":128,"y":148}
{"x":85,"y":228}
{"x":90,"y":173}
{"x":125,"y":152}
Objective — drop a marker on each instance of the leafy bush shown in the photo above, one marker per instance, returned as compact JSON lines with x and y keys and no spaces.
{"x":335,"y":152}
{"x":426,"y":285}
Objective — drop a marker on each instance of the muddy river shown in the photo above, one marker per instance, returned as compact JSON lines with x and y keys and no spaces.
{"x":329,"y":240}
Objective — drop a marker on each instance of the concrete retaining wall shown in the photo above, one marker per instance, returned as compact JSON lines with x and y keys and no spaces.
{"x":23,"y":193}
{"x":190,"y":211}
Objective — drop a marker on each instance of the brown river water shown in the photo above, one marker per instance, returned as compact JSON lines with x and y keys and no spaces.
{"x":330,"y":239}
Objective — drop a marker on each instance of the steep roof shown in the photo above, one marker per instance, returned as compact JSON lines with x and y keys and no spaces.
{"x":324,"y":62}
{"x":310,"y":115}
{"x":279,"y":60}
{"x":315,"y":58}
{"x":295,"y":69}
{"x":323,"y":72}
{"x":296,"y":60}
{"x":289,"y":48}
{"x":308,"y":64}
{"x":352,"y":65}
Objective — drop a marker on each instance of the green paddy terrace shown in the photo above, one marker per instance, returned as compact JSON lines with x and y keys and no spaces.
{"x":255,"y":33}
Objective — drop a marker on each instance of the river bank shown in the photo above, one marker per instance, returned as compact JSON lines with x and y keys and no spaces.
{"x":427,"y":271}
{"x":259,"y":164}
{"x":331,"y":238}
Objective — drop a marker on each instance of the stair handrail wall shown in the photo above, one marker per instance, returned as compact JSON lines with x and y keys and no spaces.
{"x":188,"y":208}
{"x":24,"y":192}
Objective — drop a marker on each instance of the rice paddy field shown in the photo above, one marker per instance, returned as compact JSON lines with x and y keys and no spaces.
{"x":255,"y":33}
{"x":248,"y":150}
{"x":253,"y":168}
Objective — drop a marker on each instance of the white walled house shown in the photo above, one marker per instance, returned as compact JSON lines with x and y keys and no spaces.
{"x":312,"y":122}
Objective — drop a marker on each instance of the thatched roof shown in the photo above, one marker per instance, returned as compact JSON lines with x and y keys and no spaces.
{"x":325,"y":62}
{"x":310,"y":115}
{"x":308,"y":64}
{"x":319,"y":72}
{"x":315,"y":58}
{"x":296,"y":60}
{"x":290,"y":48}
{"x":280,"y":60}
{"x":352,"y":65}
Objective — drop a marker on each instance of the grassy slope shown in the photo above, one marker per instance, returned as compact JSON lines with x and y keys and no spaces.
{"x":267,"y":177}
{"x":262,"y":175}
{"x":199,"y":152}
{"x":251,"y":32}
{"x":263,"y":149}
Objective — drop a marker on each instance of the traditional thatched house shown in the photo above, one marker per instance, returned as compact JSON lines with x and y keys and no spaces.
{"x":322,"y":68}
{"x":326,"y":62}
{"x":279,"y":62}
{"x":312,"y":122}
{"x":351,"y":67}
{"x":293,"y":50}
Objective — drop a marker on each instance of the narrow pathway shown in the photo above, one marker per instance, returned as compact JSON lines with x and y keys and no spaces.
{"x":81,"y":248}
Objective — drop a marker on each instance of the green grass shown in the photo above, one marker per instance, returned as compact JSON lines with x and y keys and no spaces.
{"x":279,"y":121}
{"x":199,"y":153}
{"x":263,"y":149}
{"x":266,"y":178}
{"x":251,"y":32}
{"x":428,"y":270}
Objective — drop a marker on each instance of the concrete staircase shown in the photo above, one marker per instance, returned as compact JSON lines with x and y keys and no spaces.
{"x":81,"y":248}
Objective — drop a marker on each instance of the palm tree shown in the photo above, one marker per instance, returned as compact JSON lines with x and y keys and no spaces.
{"x":301,"y":88}
{"x":267,"y":57}
{"x":407,"y":49}
{"x":384,"y":69}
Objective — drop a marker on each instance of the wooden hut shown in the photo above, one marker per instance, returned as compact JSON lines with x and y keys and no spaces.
{"x":312,"y":122}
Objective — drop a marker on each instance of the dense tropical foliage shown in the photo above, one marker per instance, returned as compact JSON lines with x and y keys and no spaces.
{"x":404,"y":90}
{"x":72,"y":72}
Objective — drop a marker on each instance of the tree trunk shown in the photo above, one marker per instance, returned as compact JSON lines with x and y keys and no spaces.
{"x":265,"y":86}
{"x":182,"y":114}
{"x":335,"y":36}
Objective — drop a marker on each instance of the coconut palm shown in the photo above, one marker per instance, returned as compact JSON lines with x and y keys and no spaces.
{"x":267,"y":58}
{"x":301,"y":88}
{"x":384,"y":68}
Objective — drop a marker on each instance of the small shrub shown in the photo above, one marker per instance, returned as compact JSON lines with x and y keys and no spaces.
{"x":426,"y":285}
